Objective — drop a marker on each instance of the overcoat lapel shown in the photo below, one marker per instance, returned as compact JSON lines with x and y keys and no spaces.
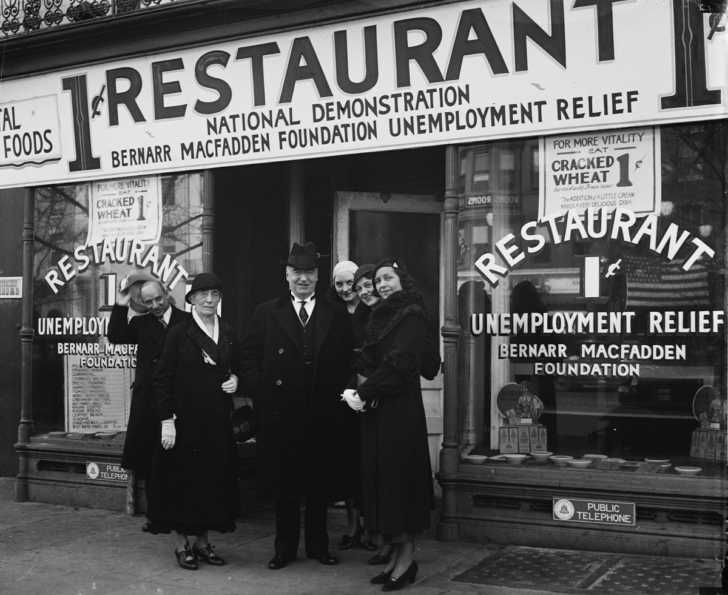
{"x":289,"y":321}
{"x":200,"y":338}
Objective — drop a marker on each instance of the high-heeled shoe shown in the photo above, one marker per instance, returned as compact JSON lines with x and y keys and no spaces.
{"x":408,"y":576}
{"x":381,"y":578}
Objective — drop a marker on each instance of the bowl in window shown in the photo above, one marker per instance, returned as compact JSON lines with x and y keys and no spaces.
{"x":660,"y":461}
{"x":595,"y":456}
{"x":580,"y":463}
{"x":687,"y":470}
{"x":541,"y":456}
{"x":561,"y":460}
{"x":614,"y":460}
{"x":476,"y":459}
{"x":515,"y":459}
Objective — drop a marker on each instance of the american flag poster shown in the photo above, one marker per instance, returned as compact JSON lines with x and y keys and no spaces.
{"x":654,"y":282}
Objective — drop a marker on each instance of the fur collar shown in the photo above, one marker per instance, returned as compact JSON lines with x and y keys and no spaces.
{"x":387,"y":314}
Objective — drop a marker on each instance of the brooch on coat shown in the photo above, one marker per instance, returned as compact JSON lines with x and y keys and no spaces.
{"x":207,"y":359}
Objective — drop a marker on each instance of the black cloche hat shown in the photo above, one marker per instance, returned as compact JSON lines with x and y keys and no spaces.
{"x":202,"y":282}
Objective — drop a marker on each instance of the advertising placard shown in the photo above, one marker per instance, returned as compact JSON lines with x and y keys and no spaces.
{"x":11,"y":287}
{"x":456,"y":73}
{"x":606,"y":169}
{"x":128,"y":208}
{"x":30,"y":132}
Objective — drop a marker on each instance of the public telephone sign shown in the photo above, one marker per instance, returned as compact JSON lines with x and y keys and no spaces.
{"x":453,"y":73}
{"x":602,"y":512}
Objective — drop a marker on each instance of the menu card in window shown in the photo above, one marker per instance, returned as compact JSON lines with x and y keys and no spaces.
{"x":96,"y":398}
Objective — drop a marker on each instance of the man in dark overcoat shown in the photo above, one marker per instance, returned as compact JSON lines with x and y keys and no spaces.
{"x":296,"y":361}
{"x":148,"y":332}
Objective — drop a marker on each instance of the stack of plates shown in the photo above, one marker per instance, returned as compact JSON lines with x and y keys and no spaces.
{"x":580,"y":463}
{"x":688,"y":470}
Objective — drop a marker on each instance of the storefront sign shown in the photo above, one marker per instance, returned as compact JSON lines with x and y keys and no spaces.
{"x":602,"y":512}
{"x":130,"y":208}
{"x":11,"y":287}
{"x":461,"y":72}
{"x":97,"y":388}
{"x":106,"y":472}
{"x":30,"y":132}
{"x":606,"y":169}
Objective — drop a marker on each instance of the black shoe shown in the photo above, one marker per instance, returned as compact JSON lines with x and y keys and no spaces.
{"x":408,"y":576}
{"x":207,"y":554}
{"x":380,"y":558}
{"x":325,"y":558}
{"x":186,"y":559}
{"x":381,"y":578}
{"x":146,"y":527}
{"x":277,"y":562}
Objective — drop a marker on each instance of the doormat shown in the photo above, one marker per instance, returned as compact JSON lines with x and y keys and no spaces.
{"x":569,"y":571}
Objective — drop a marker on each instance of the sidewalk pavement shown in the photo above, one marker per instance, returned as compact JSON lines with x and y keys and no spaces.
{"x":51,"y":549}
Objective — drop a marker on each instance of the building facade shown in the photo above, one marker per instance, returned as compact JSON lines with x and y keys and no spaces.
{"x":552,"y":173}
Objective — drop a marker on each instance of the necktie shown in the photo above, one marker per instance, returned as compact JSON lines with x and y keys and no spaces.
{"x":161,"y":321}
{"x":302,"y":314}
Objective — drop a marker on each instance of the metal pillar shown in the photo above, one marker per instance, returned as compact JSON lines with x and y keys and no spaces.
{"x":25,"y":426}
{"x":449,"y":455}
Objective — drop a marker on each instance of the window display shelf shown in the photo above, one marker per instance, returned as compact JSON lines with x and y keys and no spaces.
{"x":625,"y":414}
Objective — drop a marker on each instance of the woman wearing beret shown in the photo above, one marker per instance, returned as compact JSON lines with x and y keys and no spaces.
{"x":396,"y":474}
{"x":192,"y":484}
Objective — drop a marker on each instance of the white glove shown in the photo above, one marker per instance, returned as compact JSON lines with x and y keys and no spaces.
{"x":352,"y":399}
{"x":230,"y":385}
{"x":169,"y":434}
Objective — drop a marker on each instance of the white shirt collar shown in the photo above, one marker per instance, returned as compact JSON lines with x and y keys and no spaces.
{"x":309,"y":300}
{"x":167,"y":315}
{"x":215,"y":330}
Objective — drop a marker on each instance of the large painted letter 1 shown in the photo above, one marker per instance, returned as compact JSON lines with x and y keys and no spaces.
{"x":81,"y":130}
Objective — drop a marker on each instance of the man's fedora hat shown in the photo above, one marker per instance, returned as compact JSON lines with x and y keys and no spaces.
{"x":202,"y":282}
{"x":303,"y":257}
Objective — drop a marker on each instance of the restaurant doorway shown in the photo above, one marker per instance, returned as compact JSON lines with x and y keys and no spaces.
{"x":371,"y":225}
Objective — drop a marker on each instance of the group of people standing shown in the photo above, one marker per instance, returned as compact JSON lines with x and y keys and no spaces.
{"x":335,"y":379}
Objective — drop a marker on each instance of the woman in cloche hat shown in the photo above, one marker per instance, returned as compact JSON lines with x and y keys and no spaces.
{"x":192,"y":487}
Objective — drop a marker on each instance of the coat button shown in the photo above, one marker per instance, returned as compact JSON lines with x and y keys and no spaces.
{"x":280,"y":350}
{"x":279,"y":382}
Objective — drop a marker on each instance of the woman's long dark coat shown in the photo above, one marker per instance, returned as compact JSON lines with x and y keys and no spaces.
{"x":299,"y":439}
{"x":192,"y":486}
{"x":396,"y":473}
{"x":142,"y":431}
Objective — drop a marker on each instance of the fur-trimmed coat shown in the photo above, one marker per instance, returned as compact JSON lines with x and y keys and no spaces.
{"x":396,"y":472}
